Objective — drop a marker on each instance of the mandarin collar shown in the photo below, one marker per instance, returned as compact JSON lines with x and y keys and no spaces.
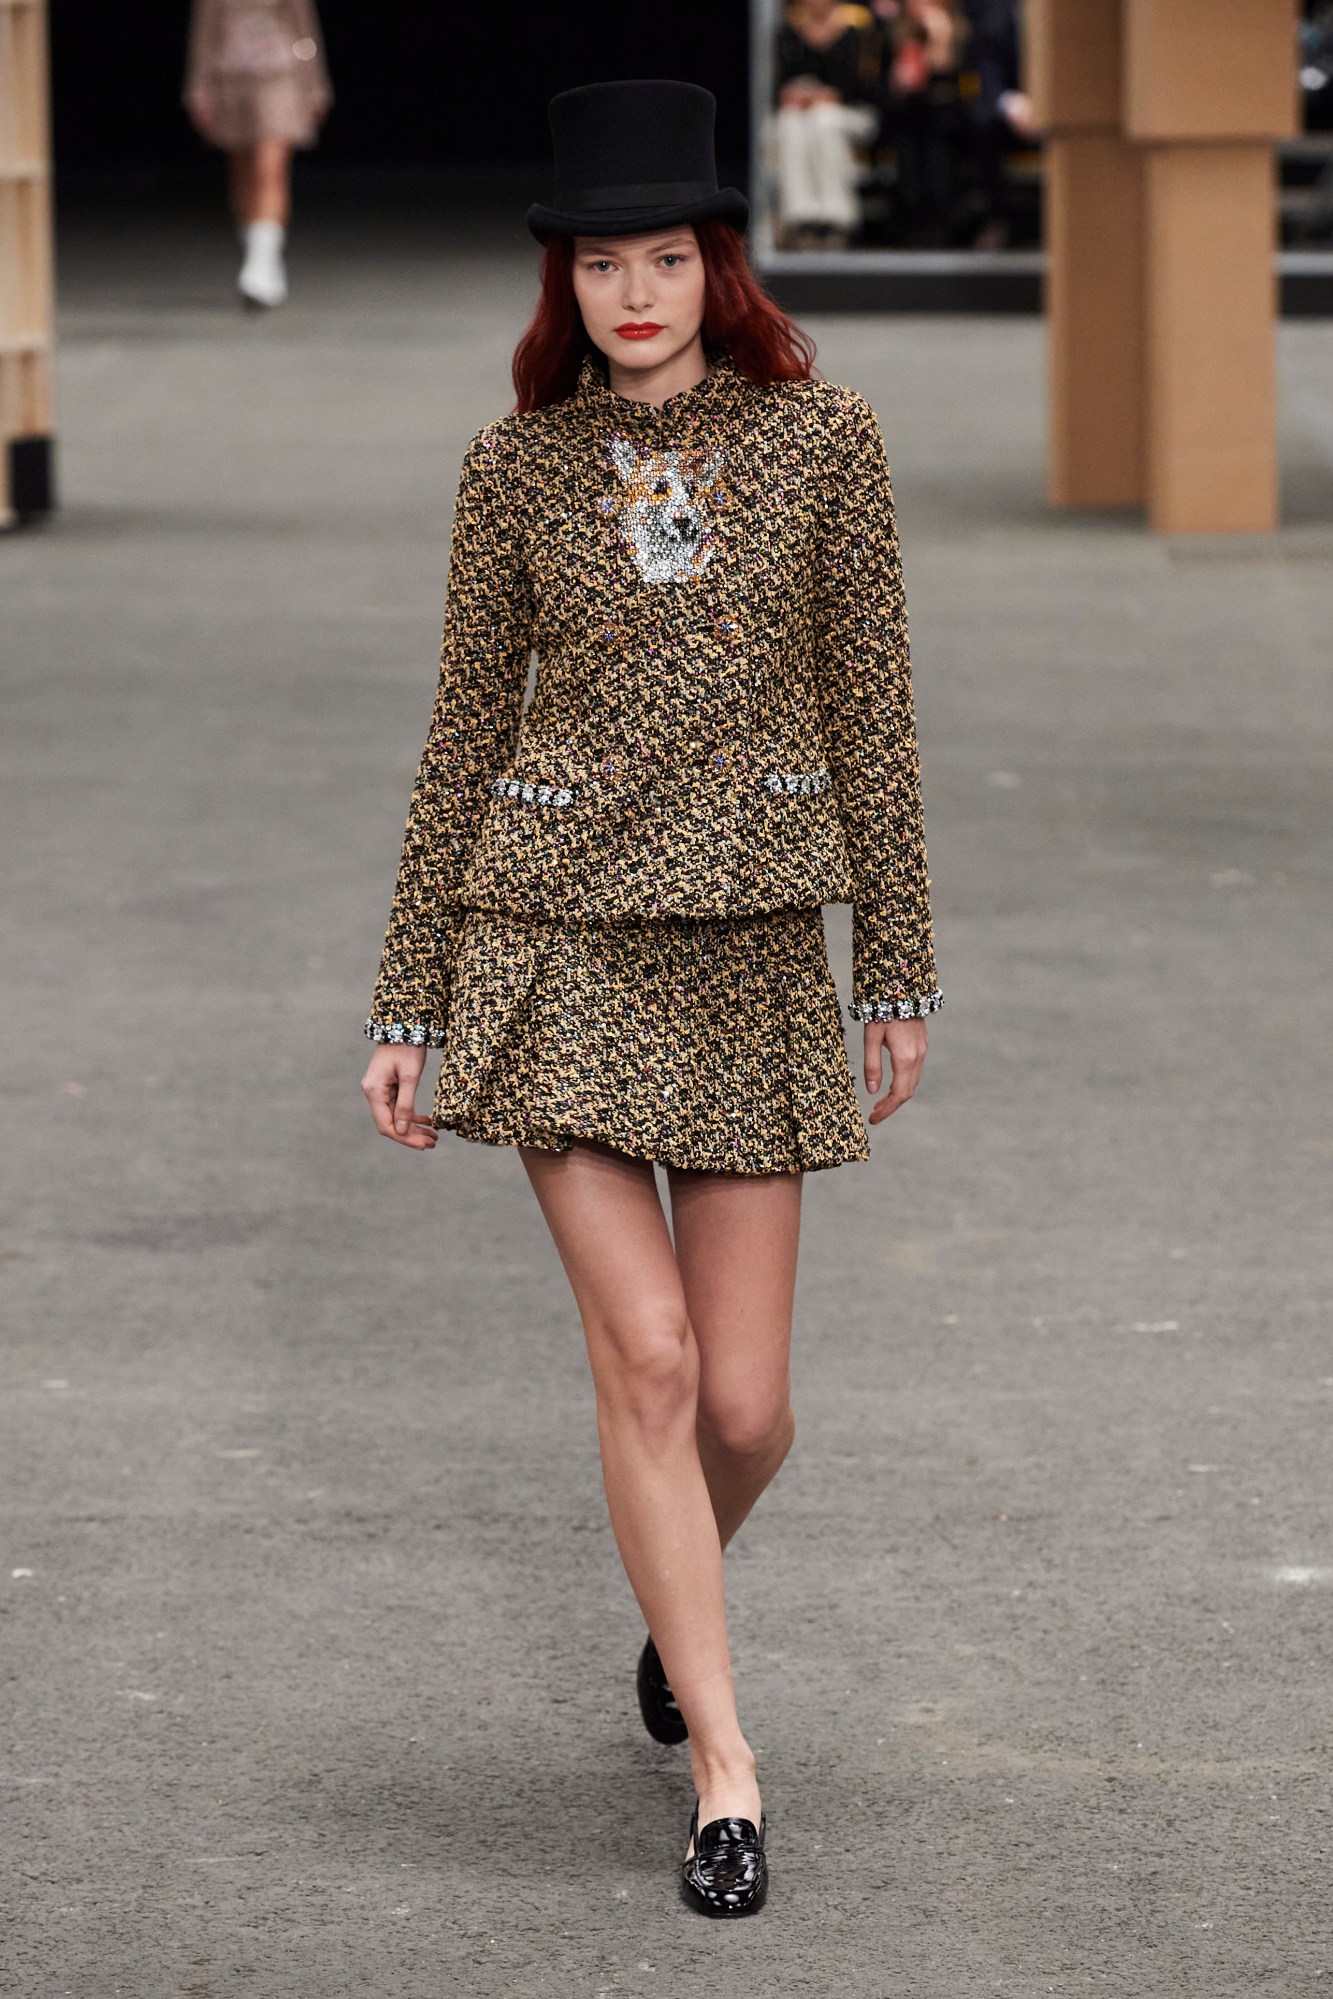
{"x":720,"y":389}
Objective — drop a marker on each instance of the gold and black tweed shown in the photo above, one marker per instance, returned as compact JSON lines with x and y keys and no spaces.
{"x":721,"y":739}
{"x":712,"y":1043}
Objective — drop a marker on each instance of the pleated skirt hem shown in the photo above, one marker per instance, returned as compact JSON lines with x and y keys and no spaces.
{"x":710,"y":1044}
{"x":489,"y":1132}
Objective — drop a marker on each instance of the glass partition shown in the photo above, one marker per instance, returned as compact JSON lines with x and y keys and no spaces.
{"x":895,"y":161}
{"x":893,"y":143}
{"x":1305,"y":179}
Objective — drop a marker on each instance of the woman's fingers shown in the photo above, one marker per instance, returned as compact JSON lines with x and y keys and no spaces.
{"x":389,"y":1087}
{"x":404,"y":1103}
{"x":419,"y":1134}
{"x":906,"y":1041}
{"x":379,"y":1092}
{"x":894,"y":1099}
{"x":424,"y":1134}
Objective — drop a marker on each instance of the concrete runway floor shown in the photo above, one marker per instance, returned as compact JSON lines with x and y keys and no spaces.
{"x":318,"y":1651}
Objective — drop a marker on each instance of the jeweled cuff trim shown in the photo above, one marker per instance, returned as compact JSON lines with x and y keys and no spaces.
{"x":887,"y":1009}
{"x":416,"y":1033}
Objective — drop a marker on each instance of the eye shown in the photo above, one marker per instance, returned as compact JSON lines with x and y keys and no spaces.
{"x":662,"y":486}
{"x":671,"y":257}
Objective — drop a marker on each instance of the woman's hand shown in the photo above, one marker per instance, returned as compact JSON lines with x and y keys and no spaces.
{"x":200,"y":108}
{"x":390,"y":1087}
{"x":906,"y":1041}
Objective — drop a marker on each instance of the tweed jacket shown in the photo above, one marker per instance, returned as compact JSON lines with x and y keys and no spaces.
{"x":721,"y":720}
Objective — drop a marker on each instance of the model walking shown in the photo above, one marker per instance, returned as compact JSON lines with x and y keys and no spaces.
{"x":256,"y":85}
{"x":607,"y":915}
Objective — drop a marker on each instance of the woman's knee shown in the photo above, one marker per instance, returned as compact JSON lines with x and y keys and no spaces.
{"x":646,"y":1367}
{"x":748,"y":1426}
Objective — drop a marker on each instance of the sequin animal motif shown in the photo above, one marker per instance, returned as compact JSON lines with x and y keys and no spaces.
{"x":664,"y":508}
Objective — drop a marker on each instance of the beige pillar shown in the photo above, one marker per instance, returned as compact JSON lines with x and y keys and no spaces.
{"x":1211,"y":69}
{"x":1094,"y":305}
{"x":1209,"y":86}
{"x":1094,"y":240}
{"x":25,"y":264}
{"x":1212,"y":306}
{"x":1161,"y":231}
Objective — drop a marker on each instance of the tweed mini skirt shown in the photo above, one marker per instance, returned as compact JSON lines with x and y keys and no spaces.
{"x":710,"y":1043}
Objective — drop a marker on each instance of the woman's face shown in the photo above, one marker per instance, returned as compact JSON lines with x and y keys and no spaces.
{"x":642,"y":297}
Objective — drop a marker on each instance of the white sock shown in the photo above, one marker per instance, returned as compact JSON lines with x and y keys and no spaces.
{"x":262,"y":275}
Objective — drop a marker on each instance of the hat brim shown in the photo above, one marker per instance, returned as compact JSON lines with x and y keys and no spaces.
{"x":728,"y":205}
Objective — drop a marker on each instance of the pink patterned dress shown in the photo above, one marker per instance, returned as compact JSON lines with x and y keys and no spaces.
{"x":255,"y":70}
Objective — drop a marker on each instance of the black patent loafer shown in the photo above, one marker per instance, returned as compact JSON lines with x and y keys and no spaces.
{"x":657,"y":1704}
{"x":727,"y":1873}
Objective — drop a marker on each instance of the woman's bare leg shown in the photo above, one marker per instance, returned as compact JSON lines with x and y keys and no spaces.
{"x":259,"y":182}
{"x":606,"y":1220}
{"x":240,"y":182}
{"x":736,"y":1238}
{"x":271,"y":183}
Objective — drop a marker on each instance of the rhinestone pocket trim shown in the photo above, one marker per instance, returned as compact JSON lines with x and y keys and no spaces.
{"x":540,"y":794}
{"x":416,"y":1033}
{"x":798,"y":780}
{"x":887,"y":1009}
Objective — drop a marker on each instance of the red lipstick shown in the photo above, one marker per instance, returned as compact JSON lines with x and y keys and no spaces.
{"x":638,"y":329}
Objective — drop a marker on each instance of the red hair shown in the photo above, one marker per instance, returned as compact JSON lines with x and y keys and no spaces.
{"x":740,"y":319}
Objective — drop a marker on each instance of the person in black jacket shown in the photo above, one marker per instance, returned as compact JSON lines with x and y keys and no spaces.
{"x":926,"y":37}
{"x":999,"y":110}
{"x":828,"y":101}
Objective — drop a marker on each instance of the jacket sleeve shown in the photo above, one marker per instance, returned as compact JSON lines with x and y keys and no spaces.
{"x":201,"y":49}
{"x":314,"y":68}
{"x":473,"y":730}
{"x":865,"y":693}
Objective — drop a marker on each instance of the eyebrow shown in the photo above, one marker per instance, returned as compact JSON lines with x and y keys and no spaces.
{"x":607,"y":249}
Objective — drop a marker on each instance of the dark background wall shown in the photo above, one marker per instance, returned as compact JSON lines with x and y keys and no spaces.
{"x":416,"y":80}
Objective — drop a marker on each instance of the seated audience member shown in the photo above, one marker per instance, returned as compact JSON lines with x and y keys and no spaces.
{"x":828,"y":102}
{"x":927,"y":38}
{"x":999,"y":113}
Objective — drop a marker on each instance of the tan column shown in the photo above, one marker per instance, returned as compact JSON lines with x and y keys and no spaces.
{"x":1094,"y":245}
{"x":25,"y":262}
{"x":1209,"y":86}
{"x":1094,"y":307}
{"x":1212,"y":304}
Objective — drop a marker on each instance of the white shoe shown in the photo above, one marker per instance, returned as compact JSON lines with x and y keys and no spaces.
{"x":263,"y":280}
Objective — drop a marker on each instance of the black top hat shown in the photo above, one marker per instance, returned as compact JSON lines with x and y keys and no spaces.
{"x":633,"y":156}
